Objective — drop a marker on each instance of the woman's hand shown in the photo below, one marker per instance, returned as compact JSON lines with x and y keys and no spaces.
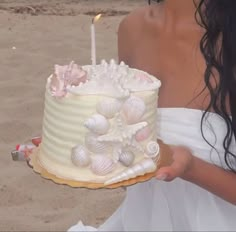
{"x":182,"y":162}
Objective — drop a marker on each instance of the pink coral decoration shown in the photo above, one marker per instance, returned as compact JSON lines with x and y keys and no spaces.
{"x":57,"y":86}
{"x":74,"y":74}
{"x":143,"y":134}
{"x":143,"y":77}
{"x":64,"y":76}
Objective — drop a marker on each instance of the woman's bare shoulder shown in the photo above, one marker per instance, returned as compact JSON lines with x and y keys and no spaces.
{"x":134,"y":20}
{"x":129,"y":30}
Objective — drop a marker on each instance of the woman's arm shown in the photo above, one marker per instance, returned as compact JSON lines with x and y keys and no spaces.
{"x":206,"y":175}
{"x":212,"y":178}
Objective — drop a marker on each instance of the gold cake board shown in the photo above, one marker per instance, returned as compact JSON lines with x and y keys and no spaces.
{"x":38,"y":168}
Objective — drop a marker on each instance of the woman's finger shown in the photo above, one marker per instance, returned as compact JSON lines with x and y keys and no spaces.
{"x":167,"y":173}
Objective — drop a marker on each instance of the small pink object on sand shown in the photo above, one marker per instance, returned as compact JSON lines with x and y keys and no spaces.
{"x":22,"y":152}
{"x":36,"y":140}
{"x":24,"y":147}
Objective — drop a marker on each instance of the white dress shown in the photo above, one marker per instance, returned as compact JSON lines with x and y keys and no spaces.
{"x":178,"y":205}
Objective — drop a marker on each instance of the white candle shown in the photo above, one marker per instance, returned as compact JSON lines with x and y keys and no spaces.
{"x":93,"y":39}
{"x":93,"y":45}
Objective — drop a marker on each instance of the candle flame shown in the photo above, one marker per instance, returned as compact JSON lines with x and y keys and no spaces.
{"x":96,"y":18}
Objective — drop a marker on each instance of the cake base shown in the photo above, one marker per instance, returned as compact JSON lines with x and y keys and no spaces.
{"x":164,"y":159}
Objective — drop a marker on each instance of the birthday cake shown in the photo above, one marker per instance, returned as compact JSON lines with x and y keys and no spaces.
{"x":99,"y":123}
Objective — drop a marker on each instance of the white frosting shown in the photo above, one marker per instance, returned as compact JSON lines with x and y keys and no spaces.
{"x":71,"y":121}
{"x":113,"y":80}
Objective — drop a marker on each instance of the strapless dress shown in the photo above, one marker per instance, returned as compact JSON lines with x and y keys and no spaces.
{"x":177,"y":205}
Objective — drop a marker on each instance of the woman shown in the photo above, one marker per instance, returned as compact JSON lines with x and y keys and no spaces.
{"x":194,"y":57}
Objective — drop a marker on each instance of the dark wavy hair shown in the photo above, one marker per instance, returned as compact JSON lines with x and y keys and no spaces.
{"x":218,"y":46}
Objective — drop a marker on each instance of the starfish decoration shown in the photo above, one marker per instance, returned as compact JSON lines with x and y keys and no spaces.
{"x":123,"y":133}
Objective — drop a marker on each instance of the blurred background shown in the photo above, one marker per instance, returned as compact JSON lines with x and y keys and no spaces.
{"x":35,"y":35}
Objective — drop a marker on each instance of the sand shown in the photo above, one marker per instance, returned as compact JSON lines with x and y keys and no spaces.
{"x":35,"y":35}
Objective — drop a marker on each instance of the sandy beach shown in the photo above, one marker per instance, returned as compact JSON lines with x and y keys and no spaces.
{"x":35,"y":35}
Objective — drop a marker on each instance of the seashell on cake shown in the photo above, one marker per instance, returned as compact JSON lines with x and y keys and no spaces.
{"x":140,"y":81}
{"x":80,"y":156}
{"x":102,"y":165}
{"x":126,"y":157}
{"x":139,"y":169}
{"x":133,"y":109}
{"x":95,"y":146}
{"x":152,"y":149}
{"x":108,"y":107}
{"x":98,"y":124}
{"x":142,"y":77}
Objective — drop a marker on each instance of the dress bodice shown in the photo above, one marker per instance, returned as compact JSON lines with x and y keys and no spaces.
{"x":182,"y":126}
